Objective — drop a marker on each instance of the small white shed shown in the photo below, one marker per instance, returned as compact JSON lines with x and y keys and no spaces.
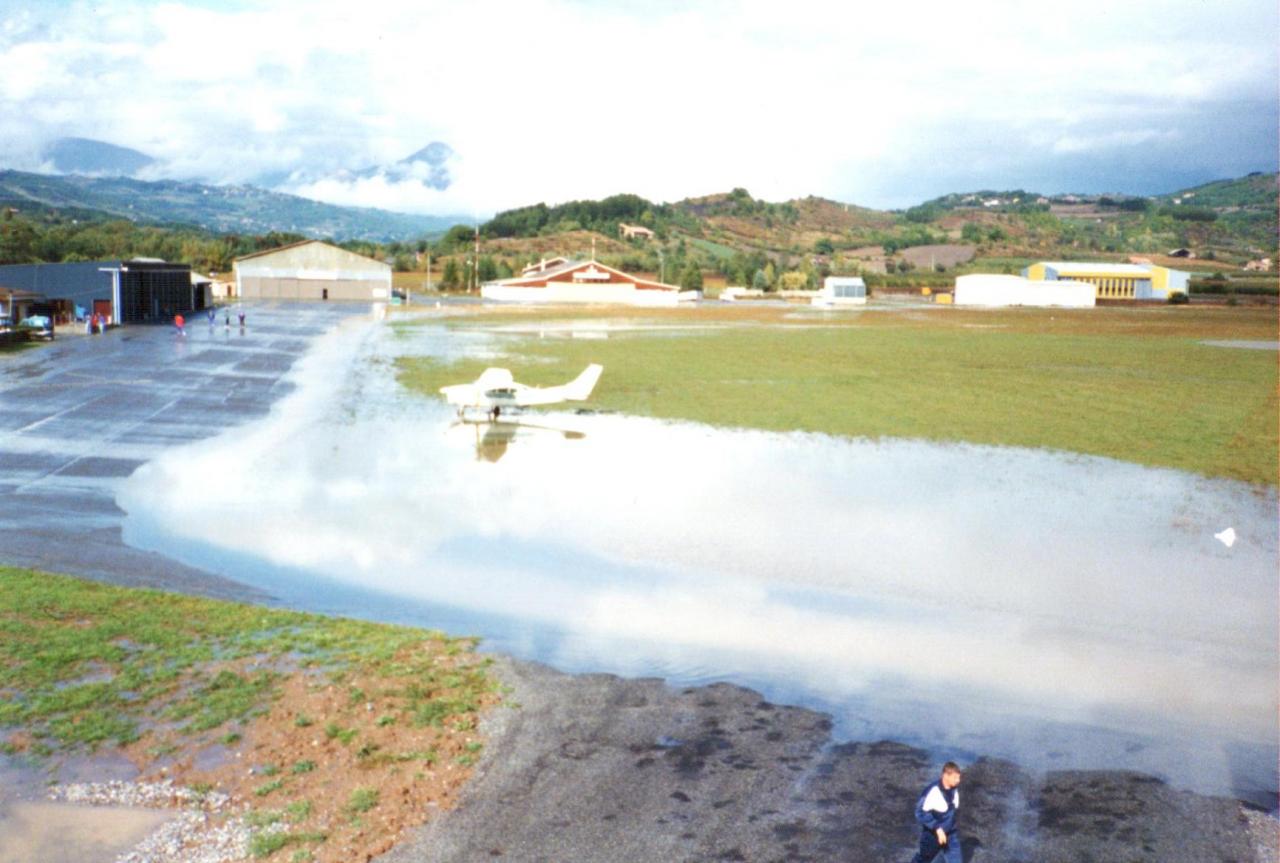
{"x":841,"y":291}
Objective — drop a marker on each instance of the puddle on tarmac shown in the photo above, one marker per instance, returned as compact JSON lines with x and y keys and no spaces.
{"x":1064,"y":611}
{"x":63,"y":833}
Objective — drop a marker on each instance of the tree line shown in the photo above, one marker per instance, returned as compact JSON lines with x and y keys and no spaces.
{"x":54,"y":239}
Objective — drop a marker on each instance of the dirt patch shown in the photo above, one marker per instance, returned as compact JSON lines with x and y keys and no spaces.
{"x":340,"y":768}
{"x":948,"y":255}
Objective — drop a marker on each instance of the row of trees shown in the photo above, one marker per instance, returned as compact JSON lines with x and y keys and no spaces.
{"x":602,"y":216}
{"x":53,"y":239}
{"x":26,"y":241}
{"x":740,"y":203}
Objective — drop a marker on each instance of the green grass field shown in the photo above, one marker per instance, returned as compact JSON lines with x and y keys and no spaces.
{"x":83,"y":664}
{"x":1131,"y":384}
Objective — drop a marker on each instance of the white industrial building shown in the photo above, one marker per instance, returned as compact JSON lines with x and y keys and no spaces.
{"x":989,"y":289}
{"x":311,"y":270}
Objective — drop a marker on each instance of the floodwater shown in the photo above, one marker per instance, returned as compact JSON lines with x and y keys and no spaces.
{"x":64,"y":833}
{"x":1060,"y":610}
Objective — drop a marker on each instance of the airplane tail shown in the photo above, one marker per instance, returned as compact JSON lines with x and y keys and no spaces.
{"x":579,"y":389}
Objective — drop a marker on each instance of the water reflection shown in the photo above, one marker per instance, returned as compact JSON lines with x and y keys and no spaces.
{"x":493,"y":438}
{"x":1061,"y":610}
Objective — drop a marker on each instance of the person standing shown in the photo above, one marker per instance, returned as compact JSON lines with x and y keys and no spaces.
{"x":181,"y":323}
{"x":936,"y":811}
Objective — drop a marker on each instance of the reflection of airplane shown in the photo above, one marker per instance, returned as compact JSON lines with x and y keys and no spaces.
{"x":495,"y":391}
{"x":492,"y":438}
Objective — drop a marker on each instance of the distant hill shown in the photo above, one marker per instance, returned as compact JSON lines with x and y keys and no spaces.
{"x":1224,"y":224}
{"x":1256,"y":191}
{"x":95,"y":158}
{"x":738,"y":220}
{"x":223,"y":209}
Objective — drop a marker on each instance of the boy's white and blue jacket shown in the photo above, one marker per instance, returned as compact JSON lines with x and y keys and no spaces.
{"x":937,"y":807}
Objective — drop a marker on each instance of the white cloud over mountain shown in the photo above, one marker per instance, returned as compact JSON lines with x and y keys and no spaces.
{"x":557,"y":99}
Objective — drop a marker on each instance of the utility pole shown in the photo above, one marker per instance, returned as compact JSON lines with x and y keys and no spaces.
{"x":475,"y":264}
{"x":428,"y":266}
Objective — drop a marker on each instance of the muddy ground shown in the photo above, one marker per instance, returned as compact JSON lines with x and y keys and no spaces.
{"x":600,"y":768}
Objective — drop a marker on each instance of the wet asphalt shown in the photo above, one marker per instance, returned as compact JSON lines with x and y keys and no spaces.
{"x":80,"y":414}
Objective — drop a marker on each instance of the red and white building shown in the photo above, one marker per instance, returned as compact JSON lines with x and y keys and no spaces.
{"x":563,"y":281}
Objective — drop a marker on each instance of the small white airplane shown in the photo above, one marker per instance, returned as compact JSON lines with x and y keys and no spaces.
{"x":495,"y":391}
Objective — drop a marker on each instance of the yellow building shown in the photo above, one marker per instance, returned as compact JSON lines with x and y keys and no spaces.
{"x":1114,"y":281}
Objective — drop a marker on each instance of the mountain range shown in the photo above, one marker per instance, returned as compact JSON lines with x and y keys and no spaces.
{"x":222,"y":209}
{"x":95,"y":179}
{"x":95,"y":158}
{"x":99,"y":185}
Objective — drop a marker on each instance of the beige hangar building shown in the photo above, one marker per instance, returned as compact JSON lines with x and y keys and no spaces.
{"x":311,"y":270}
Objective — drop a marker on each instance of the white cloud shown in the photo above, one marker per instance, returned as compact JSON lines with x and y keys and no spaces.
{"x":407,"y":196}
{"x":1128,"y":138}
{"x":556,"y":99}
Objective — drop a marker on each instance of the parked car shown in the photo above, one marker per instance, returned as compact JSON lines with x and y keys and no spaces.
{"x":37,"y":326}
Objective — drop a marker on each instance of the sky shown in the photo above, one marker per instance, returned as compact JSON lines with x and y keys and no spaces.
{"x":883,"y":105}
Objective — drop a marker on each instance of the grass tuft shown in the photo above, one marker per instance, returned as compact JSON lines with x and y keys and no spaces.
{"x":362,"y":800}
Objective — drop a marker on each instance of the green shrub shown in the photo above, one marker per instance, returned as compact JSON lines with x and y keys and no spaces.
{"x":362,"y":800}
{"x":270,"y":787}
{"x":266,"y":844}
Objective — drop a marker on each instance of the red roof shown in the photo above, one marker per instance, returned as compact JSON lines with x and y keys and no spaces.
{"x":584,"y":272}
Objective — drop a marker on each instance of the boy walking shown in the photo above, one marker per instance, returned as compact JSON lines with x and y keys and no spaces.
{"x":936,"y":814}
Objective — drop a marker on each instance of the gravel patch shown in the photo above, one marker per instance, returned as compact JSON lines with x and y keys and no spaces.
{"x":1265,"y":830}
{"x":195,"y":837}
{"x":204,"y":833}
